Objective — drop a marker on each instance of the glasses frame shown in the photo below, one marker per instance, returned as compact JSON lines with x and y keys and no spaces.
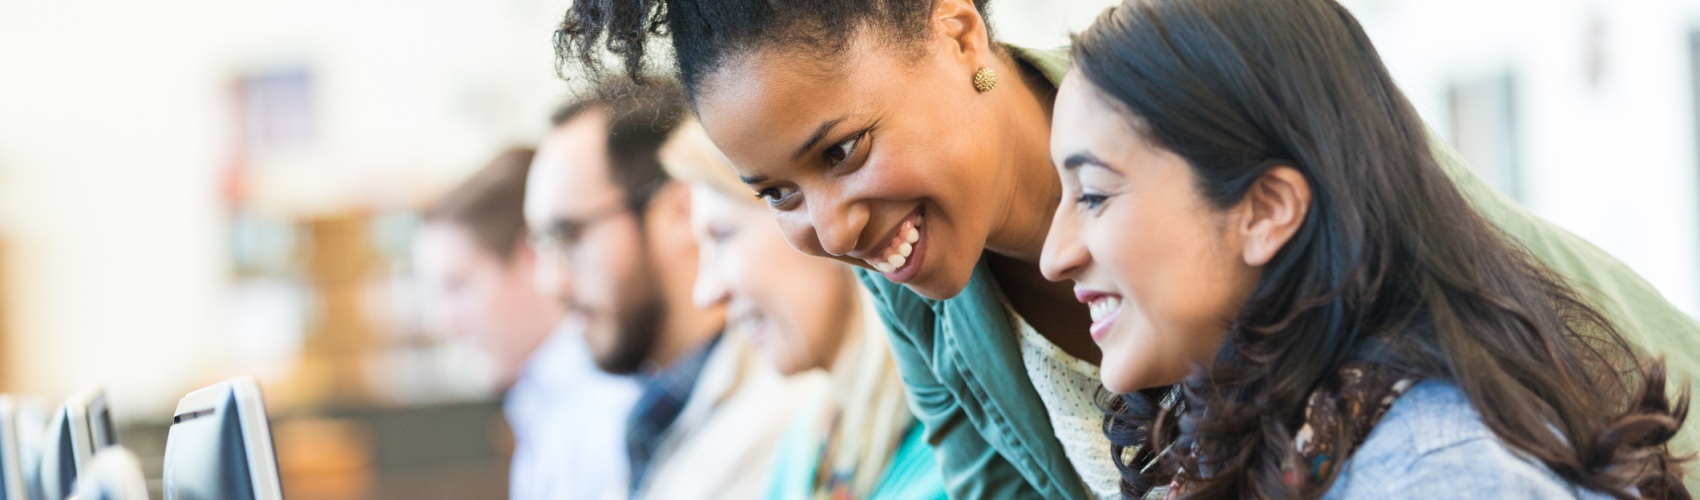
{"x":562,"y":238}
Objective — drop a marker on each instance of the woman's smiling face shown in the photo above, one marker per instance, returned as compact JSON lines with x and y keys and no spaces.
{"x":882,"y":157}
{"x":797,"y":308}
{"x":1159,"y":265}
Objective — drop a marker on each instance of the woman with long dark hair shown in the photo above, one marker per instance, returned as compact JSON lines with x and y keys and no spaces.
{"x":863,"y":122}
{"x":1253,"y":211}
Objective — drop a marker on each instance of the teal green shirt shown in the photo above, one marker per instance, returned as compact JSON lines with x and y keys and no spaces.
{"x":962,"y":364}
{"x":912,"y":473}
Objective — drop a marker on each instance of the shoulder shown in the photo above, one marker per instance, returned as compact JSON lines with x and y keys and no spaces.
{"x":1431,"y":443}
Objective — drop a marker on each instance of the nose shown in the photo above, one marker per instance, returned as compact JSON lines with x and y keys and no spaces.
{"x":709,"y":289}
{"x":1064,"y":255}
{"x":838,"y":225}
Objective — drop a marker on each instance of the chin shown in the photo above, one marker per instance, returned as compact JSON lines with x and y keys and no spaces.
{"x":1119,"y":385}
{"x":1127,"y":376}
{"x":933,"y":287}
{"x":781,"y":361}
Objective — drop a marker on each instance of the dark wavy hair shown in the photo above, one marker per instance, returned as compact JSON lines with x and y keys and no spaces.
{"x":705,"y":33}
{"x":1389,"y":250}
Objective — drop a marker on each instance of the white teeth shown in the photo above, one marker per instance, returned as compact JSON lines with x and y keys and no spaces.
{"x":1103,"y":307}
{"x":899,"y":254}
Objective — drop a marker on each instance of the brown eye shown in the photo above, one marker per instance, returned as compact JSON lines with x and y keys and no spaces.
{"x":843,"y":151}
{"x":776,"y":196}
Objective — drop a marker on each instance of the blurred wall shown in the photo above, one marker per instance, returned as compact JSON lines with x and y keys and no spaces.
{"x":115,"y":132}
{"x":1604,"y":101}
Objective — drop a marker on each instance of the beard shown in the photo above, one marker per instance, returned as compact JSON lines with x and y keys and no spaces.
{"x":639,"y":317}
{"x":638,"y":335}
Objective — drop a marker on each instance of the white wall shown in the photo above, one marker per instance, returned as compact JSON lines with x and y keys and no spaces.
{"x":1614,"y":161}
{"x":113,"y":133}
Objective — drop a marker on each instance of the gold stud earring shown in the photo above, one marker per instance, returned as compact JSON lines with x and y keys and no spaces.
{"x":985,"y":80}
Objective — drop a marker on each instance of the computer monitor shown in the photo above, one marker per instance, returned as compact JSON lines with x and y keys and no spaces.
{"x":114,"y":474}
{"x":11,"y":459}
{"x":220,"y":446}
{"x":75,"y":431}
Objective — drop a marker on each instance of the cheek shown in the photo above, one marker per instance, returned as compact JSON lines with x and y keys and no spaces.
{"x":1180,"y":286}
{"x":604,"y":268}
{"x":794,"y":289}
{"x":742,"y":270}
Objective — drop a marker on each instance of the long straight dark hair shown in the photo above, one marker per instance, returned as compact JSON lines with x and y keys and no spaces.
{"x":1391,"y":265}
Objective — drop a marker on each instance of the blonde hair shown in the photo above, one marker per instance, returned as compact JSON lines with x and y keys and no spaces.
{"x":688,"y":155}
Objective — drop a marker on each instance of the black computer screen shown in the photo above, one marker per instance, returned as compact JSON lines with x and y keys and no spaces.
{"x":101,"y":430}
{"x":66,"y":463}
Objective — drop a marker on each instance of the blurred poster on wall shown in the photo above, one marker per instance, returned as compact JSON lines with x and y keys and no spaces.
{"x":276,"y":108}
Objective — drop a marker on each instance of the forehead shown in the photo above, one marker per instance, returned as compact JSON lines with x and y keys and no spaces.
{"x":1086,"y":119}
{"x":761,"y":105}
{"x":571,"y":167}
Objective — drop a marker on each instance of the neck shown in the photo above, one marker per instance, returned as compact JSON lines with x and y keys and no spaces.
{"x":686,"y":327}
{"x":1035,"y":190}
{"x":685,"y":330}
{"x":1025,"y":122}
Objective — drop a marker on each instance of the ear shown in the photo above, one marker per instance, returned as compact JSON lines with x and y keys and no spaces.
{"x":669,"y":215}
{"x":959,"y":22}
{"x":1273,"y":211}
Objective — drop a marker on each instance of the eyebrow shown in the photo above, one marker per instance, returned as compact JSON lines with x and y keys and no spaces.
{"x":1074,"y":161}
{"x":818,"y":135}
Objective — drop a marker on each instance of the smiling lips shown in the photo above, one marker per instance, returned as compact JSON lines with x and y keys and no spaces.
{"x":1104,"y":308}
{"x":901,"y":246}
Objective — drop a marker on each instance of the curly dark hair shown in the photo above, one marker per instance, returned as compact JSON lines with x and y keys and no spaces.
{"x":1390,"y":249}
{"x":705,"y":33}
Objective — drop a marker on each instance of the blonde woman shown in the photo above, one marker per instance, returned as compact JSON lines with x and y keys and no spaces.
{"x":858,"y":440}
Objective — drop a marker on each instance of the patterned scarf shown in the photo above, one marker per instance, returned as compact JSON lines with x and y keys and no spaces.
{"x":1350,"y":408}
{"x":1364,"y":394}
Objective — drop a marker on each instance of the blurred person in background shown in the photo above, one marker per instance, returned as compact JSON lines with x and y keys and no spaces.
{"x":613,"y":234}
{"x":855,"y":440}
{"x":567,"y":416}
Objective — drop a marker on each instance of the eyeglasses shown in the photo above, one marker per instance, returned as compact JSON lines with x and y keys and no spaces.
{"x":561,"y":238}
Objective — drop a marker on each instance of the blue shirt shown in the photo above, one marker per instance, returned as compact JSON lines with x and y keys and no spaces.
{"x":568,"y":419}
{"x":1433,"y":444}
